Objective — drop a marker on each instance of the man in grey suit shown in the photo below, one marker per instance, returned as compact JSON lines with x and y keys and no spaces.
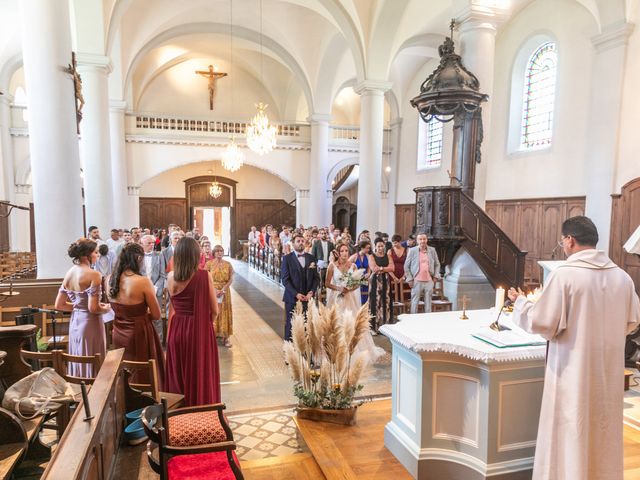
{"x":322,"y":249}
{"x":420,"y":269}
{"x":173,"y":241}
{"x":155,"y":268}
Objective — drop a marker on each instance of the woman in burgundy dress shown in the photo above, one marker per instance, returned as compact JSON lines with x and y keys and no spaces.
{"x":135,"y":305}
{"x":192,"y":352}
{"x":397,"y":255}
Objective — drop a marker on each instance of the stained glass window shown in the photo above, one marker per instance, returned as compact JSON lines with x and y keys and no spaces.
{"x":429,"y":144}
{"x":539,"y":96}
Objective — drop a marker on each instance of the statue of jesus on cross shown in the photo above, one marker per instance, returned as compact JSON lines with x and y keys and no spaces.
{"x":213,"y":77}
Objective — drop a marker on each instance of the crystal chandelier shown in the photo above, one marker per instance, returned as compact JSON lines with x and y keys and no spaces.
{"x":232,"y":157}
{"x":261,"y":137}
{"x":215,"y":190}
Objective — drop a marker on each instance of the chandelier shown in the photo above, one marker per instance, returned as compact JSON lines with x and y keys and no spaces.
{"x":232,"y":157}
{"x":215,"y":190}
{"x":261,"y":137}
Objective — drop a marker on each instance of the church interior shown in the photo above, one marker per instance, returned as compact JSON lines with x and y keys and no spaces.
{"x":483,"y":123}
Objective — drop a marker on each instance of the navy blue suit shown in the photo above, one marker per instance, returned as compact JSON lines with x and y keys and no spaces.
{"x":297,"y":279}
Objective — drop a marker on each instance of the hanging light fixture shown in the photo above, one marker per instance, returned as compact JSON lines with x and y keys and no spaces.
{"x":215,"y":190}
{"x":261,"y":137}
{"x":232,"y":158}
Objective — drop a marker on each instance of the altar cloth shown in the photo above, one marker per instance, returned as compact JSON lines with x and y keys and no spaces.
{"x":445,"y":332}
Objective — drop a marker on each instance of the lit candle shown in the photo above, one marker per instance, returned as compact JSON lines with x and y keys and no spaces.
{"x":499,"y":298}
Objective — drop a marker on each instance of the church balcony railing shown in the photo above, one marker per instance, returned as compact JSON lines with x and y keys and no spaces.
{"x":151,"y":127}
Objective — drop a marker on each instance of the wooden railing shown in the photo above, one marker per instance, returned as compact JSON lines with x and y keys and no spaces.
{"x":266,"y":260}
{"x":341,"y":177}
{"x":451,"y":220}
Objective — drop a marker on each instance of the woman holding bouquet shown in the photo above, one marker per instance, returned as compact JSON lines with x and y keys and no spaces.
{"x":361,"y":260}
{"x":343,"y":282}
{"x":380,"y":291}
{"x":221,"y":273}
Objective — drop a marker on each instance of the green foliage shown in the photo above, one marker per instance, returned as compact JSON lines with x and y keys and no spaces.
{"x":327,"y":398}
{"x":40,"y":342}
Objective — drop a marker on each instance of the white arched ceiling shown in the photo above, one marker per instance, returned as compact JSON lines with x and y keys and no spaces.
{"x":217,"y":28}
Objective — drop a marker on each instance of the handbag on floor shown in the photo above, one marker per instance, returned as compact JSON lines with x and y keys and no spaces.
{"x":37,"y":394}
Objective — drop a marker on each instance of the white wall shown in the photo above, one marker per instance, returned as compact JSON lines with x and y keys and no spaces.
{"x":557,"y":170}
{"x":253,"y":183}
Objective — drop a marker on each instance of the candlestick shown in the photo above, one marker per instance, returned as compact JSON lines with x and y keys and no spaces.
{"x":465,"y":299}
{"x":499,"y":298}
{"x":85,"y":402}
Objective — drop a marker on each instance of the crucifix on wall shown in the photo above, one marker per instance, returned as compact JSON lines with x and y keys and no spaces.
{"x":213,"y":77}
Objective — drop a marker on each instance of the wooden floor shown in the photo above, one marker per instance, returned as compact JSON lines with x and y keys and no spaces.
{"x":358,"y":452}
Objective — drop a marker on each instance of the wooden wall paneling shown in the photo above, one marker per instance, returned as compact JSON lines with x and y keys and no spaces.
{"x":575,"y":207}
{"x":4,"y":229}
{"x":405,"y":219}
{"x":625,"y":218}
{"x":494,"y":210}
{"x":553,"y":214}
{"x":156,"y":212}
{"x":510,"y":220}
{"x":261,"y":211}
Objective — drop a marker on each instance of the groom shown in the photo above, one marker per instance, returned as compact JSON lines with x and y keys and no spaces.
{"x":299,"y":273}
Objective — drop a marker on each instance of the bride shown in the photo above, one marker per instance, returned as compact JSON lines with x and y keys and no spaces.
{"x":347,"y":298}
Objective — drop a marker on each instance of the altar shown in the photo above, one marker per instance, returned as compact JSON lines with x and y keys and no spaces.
{"x":462,"y":408}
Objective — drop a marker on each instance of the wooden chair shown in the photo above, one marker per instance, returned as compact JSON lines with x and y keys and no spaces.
{"x":46,"y":322}
{"x":397,"y":306}
{"x":439,"y":303}
{"x":62,"y":363}
{"x":8,"y":314}
{"x":209,"y":457}
{"x":405,"y":295}
{"x":138,"y":394}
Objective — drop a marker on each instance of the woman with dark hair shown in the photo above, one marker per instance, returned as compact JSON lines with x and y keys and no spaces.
{"x":361,"y":260}
{"x":134,"y":302}
{"x":221,"y":273}
{"x":192,"y":352}
{"x":80,"y":294}
{"x":397,"y":255}
{"x":380,"y":291}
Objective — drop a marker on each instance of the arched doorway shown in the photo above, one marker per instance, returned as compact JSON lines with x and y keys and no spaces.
{"x":214,"y":217}
{"x":345,"y":215}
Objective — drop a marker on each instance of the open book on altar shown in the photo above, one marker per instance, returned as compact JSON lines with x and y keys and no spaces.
{"x":632,"y":245}
{"x":512,"y":336}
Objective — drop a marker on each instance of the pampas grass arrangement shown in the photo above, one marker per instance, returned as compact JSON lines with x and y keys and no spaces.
{"x":321,"y":357}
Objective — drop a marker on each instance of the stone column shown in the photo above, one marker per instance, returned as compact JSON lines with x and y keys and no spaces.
{"x":604,"y":124}
{"x":95,"y":142}
{"x":133,"y":216}
{"x":53,"y":142}
{"x":394,"y":163}
{"x":477,"y":30}
{"x":7,"y":177}
{"x":121,"y":217}
{"x":20,"y":219}
{"x":319,"y":206}
{"x":302,"y":207}
{"x":371,"y":131}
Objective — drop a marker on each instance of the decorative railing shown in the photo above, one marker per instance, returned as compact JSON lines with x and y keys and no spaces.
{"x":266,"y":260}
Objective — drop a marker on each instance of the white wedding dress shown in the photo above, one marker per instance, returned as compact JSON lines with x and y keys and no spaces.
{"x":351,"y":301}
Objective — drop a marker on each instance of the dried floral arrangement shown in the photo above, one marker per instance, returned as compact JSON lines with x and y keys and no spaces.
{"x":322,"y":357}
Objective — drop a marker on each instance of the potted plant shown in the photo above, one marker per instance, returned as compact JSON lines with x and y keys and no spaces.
{"x":324,"y":363}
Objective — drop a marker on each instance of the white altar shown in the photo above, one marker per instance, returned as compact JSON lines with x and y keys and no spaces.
{"x":462,"y":409}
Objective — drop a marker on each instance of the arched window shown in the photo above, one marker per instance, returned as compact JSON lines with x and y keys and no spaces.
{"x":429,"y":144}
{"x":539,"y":97}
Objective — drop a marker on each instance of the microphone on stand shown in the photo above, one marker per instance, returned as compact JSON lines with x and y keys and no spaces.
{"x":553,"y":252}
{"x":45,"y":310}
{"x":53,"y":314}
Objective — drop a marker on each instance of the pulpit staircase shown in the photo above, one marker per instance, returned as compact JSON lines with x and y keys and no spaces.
{"x":452,"y":220}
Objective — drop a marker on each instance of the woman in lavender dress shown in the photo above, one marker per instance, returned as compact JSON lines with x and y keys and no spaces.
{"x":80,"y":294}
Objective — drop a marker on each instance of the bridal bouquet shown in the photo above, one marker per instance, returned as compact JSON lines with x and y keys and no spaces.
{"x":351,"y":279}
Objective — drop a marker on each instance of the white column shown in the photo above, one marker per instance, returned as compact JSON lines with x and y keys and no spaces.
{"x":133,"y":216}
{"x":370,"y":172}
{"x":319,"y":207}
{"x":604,"y":124}
{"x":478,"y":27}
{"x":119,"y":165}
{"x":6,"y":154}
{"x":95,"y":142}
{"x":53,"y":143}
{"x":302,"y":207}
{"x":394,"y":174}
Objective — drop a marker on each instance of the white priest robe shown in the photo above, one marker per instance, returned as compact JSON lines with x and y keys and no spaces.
{"x":587,"y":308}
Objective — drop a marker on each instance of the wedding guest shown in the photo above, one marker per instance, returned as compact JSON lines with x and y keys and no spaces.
{"x":196,"y":233}
{"x":114,"y":241}
{"x":166,"y":241}
{"x":80,"y":294}
{"x":361,"y":260}
{"x":176,"y":235}
{"x":380,"y":286}
{"x":94,"y":234}
{"x":126,"y":239}
{"x":387,"y":243}
{"x":192,"y":366}
{"x":221,"y":273}
{"x":136,"y":234}
{"x":106,"y":261}
{"x":322,"y":249}
{"x":134,"y":302}
{"x":410,"y":242}
{"x":397,"y":255}
{"x":253,"y":235}
{"x":285,"y":235}
{"x":206,"y":255}
{"x":275,"y":243}
{"x":420,"y":269}
{"x":262,"y":237}
{"x":155,"y":269}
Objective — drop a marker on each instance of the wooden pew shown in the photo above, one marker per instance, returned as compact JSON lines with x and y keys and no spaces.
{"x":88,"y":448}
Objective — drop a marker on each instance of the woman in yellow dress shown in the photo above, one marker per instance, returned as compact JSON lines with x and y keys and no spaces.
{"x":221,"y":273}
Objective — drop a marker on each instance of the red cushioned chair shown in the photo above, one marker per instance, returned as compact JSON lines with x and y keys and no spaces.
{"x":195,"y":452}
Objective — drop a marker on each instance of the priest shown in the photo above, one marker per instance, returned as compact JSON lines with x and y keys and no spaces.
{"x":587,"y":308}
